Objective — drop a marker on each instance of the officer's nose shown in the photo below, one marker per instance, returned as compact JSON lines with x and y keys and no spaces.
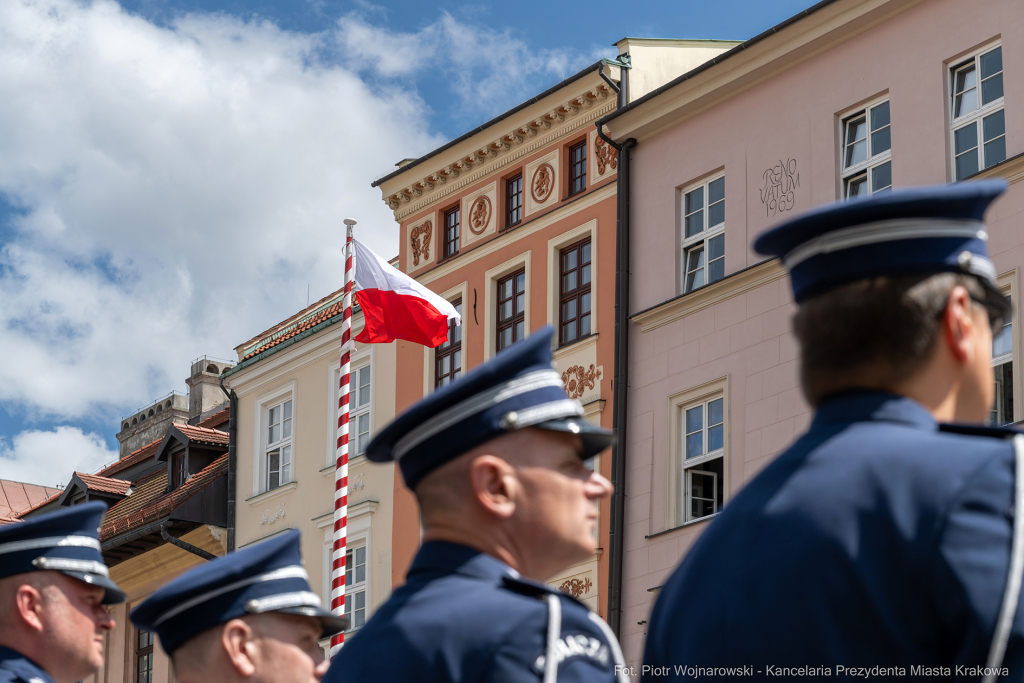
{"x":598,"y":487}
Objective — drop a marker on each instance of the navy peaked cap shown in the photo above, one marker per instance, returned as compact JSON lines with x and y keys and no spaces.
{"x":266,"y":577}
{"x":913,"y":231}
{"x":517,"y":388}
{"x":67,"y":541}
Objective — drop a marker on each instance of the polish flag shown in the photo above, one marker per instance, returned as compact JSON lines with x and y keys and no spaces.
{"x":397,"y":307}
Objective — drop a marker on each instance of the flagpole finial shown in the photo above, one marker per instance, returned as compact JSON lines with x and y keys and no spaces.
{"x":349,"y":221}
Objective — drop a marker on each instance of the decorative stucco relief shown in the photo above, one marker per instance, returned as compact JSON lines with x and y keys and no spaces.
{"x":419,"y":242}
{"x":543,"y":183}
{"x":577,"y":380}
{"x":607,"y":157}
{"x":480,"y":215}
{"x":577,"y":587}
{"x":270,"y":516}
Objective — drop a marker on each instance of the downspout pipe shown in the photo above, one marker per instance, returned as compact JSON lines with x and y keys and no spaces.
{"x":232,"y":460}
{"x":188,"y":547}
{"x":620,"y":382}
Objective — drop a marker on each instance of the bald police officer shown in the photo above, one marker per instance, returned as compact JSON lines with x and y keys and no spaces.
{"x":880,"y":541}
{"x":246,"y":617}
{"x":53,"y":588}
{"x":497,"y":461}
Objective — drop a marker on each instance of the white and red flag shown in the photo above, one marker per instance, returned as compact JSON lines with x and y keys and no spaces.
{"x":397,"y":307}
{"x":394,"y":307}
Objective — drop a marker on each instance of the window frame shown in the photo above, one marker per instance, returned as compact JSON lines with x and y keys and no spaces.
{"x":578,"y":292}
{"x":577,"y":168}
{"x":867,"y":167}
{"x":449,"y":350}
{"x":514,"y":201}
{"x":446,"y":243}
{"x":180,"y":469}
{"x":284,"y":463}
{"x":677,"y":502}
{"x":688,"y":465}
{"x":1008,"y":358}
{"x":517,"y":316}
{"x":977,"y":116}
{"x":703,"y":238}
{"x":360,"y":587}
{"x":356,"y":411}
{"x":140,"y":652}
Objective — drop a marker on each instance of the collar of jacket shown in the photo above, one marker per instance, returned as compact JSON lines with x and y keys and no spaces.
{"x":872,"y":406}
{"x":452,"y":558}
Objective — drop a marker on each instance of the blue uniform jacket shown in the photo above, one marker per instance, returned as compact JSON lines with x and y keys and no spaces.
{"x":17,"y":668}
{"x":874,"y":540}
{"x":462,"y":617}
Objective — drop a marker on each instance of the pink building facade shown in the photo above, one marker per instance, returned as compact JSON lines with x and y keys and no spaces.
{"x":851,"y":98}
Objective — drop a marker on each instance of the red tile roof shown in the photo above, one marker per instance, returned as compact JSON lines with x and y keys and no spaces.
{"x":294,"y":330}
{"x":217,"y":419}
{"x":44,"y":501}
{"x":298,"y":316}
{"x":16,"y":496}
{"x":135,"y":457}
{"x":129,"y":514}
{"x":105,"y":484}
{"x":203,"y":435}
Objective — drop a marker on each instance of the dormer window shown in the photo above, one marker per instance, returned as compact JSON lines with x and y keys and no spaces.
{"x":180,"y":469}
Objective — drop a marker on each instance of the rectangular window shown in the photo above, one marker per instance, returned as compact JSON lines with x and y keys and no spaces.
{"x":1002,"y":366}
{"x":578,"y":168}
{"x":514,"y":200}
{"x":511,"y":322}
{"x":976,"y":113}
{"x":144,"y":657}
{"x":704,"y":234}
{"x":867,"y":151}
{"x":451,"y":232}
{"x":448,"y":356}
{"x":359,"y":410}
{"x":180,"y":470}
{"x":703,"y":430}
{"x":355,"y":587}
{"x":574,"y":292}
{"x":279,"y":445}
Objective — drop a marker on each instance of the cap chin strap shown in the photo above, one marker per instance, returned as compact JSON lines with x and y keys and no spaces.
{"x":283,"y":601}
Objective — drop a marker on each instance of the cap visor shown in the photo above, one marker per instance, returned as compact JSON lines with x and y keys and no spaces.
{"x":594,"y":439}
{"x":330,"y":623}
{"x":114,"y":594}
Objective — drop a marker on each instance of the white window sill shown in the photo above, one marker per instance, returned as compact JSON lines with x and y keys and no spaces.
{"x":357,"y":460}
{"x":272,"y":493}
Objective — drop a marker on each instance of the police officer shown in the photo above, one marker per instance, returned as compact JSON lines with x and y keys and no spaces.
{"x":53,"y":586}
{"x":497,"y":461}
{"x":247,"y":616}
{"x":880,"y":541}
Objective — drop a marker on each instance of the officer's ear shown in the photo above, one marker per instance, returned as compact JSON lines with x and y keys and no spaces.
{"x":960,"y":326}
{"x":239,"y":643}
{"x":28,"y":605}
{"x":494,"y":485}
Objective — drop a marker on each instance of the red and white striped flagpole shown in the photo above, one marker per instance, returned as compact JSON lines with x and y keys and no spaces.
{"x":341,"y":464}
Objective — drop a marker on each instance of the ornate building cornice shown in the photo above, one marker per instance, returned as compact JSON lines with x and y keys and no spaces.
{"x":510,"y":147}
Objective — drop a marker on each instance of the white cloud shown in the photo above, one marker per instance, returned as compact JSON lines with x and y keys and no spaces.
{"x":178,"y":187}
{"x":48,"y":458}
{"x":489,"y":69}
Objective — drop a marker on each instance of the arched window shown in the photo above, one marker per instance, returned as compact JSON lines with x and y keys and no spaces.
{"x":212,"y":368}
{"x":150,"y":413}
{"x":135,"y":421}
{"x":168,"y":405}
{"x":126,"y":425}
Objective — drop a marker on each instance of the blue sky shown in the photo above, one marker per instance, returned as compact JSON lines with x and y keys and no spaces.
{"x":173,"y":172}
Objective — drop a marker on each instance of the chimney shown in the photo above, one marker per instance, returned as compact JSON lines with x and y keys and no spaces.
{"x":203,"y":390}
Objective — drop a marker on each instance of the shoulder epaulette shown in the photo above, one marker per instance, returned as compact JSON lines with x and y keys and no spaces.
{"x":534,"y":589}
{"x":1006,"y":432}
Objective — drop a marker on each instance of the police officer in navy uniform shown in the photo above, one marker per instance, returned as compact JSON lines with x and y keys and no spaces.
{"x":53,"y":588}
{"x":246,"y":616}
{"x":497,"y":461}
{"x":880,"y":541}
